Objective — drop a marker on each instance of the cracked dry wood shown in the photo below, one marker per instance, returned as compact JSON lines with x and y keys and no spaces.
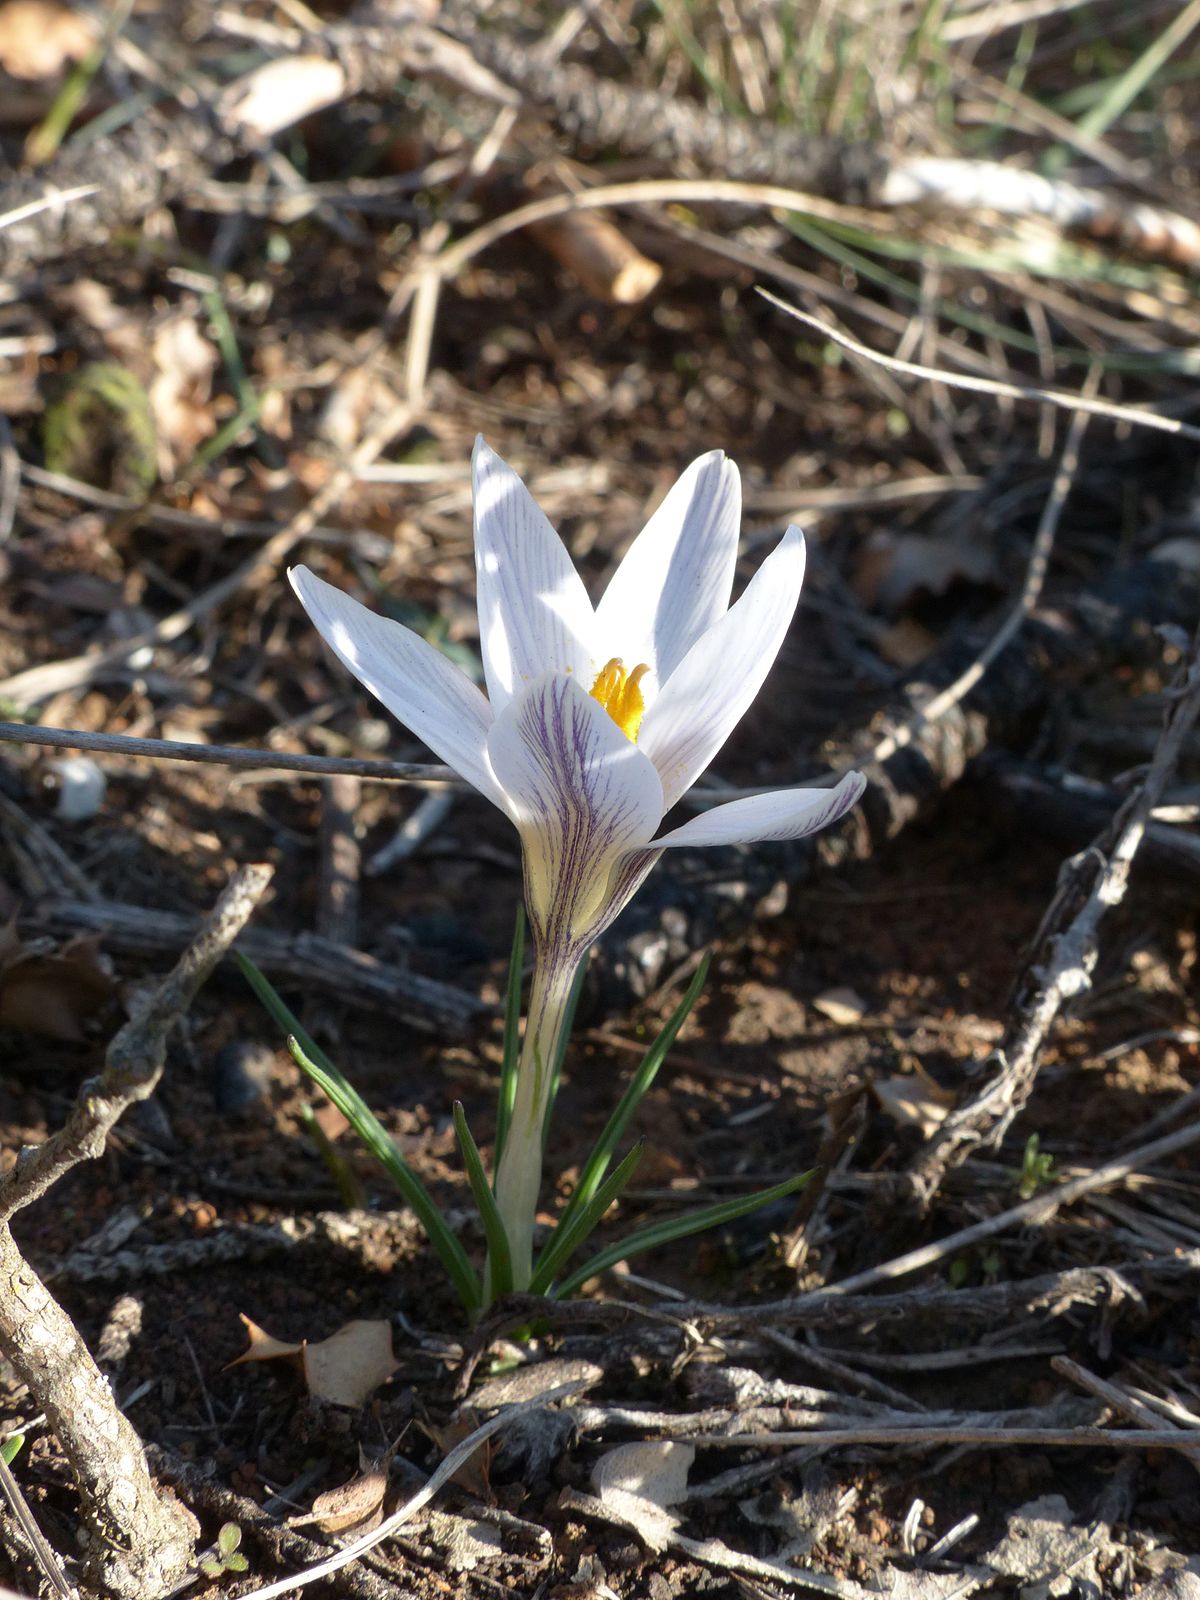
{"x":138,"y":1542}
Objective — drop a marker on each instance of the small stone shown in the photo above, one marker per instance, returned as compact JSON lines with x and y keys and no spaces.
{"x":843,"y":1006}
{"x":241,"y":1076}
{"x":81,"y":786}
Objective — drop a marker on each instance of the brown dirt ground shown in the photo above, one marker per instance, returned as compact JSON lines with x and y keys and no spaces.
{"x":930,"y":933}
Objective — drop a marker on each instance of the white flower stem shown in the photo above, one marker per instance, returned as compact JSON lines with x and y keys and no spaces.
{"x":519,"y":1176}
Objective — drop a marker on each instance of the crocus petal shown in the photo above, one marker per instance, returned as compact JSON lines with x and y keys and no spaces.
{"x":417,"y":684}
{"x":582,"y":795}
{"x":534,"y":613}
{"x":676,"y":578}
{"x":785,"y":814}
{"x":705,"y":697}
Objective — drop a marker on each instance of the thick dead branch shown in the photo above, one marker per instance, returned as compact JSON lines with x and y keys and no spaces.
{"x":147,"y":164}
{"x":598,"y":114}
{"x":1051,"y":1293}
{"x":138,"y":1543}
{"x":1065,"y":955}
{"x":155,"y":161}
{"x":304,"y":959}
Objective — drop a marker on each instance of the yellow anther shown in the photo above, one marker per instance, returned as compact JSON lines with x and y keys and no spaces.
{"x":619,"y":692}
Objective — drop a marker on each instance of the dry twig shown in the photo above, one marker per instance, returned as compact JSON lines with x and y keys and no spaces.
{"x":1066,"y":952}
{"x":137,"y":1542}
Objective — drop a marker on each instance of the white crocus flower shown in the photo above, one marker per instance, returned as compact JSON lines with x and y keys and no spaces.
{"x":596,"y":722}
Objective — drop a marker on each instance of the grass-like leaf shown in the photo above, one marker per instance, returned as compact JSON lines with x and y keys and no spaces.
{"x":592,"y":1175}
{"x":312,"y":1060}
{"x":567,"y":1239}
{"x":500,"y":1278}
{"x":512,"y":1034}
{"x":660,"y":1233}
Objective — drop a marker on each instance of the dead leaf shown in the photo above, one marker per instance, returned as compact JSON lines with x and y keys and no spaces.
{"x":180,"y":391}
{"x":1048,"y":1550}
{"x":527,"y":1382}
{"x":474,"y":1474}
{"x":282,"y":92}
{"x":347,"y":1366}
{"x":639,"y":1483}
{"x":914,"y":1102}
{"x":355,"y":1507}
{"x":843,"y":1006}
{"x":263,"y":1346}
{"x":52,"y":992}
{"x":342,"y":1369}
{"x":39,"y":38}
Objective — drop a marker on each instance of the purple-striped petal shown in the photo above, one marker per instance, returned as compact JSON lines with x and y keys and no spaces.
{"x":582,"y":797}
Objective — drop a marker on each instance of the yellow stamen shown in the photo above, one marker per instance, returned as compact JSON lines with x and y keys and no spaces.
{"x":619,"y":692}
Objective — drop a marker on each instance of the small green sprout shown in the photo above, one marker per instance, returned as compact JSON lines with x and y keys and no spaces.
{"x":1036,"y":1169}
{"x":226,"y":1556}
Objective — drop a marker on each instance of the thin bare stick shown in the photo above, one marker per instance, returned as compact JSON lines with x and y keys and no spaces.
{"x":39,"y":683}
{"x":1009,"y":391}
{"x":1066,"y":952}
{"x":1183,"y":1439}
{"x":134,"y":1060}
{"x":10,"y":479}
{"x":226,"y":755}
{"x":137,"y":1543}
{"x":44,"y":1555}
{"x":48,"y":202}
{"x":1035,"y":577}
{"x":457,"y":1458}
{"x":1039,"y":1209}
{"x":1120,"y":1399}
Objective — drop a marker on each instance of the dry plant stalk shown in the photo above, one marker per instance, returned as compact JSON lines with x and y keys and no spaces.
{"x":1065,"y":952}
{"x":137,"y":1542}
{"x":598,"y":255}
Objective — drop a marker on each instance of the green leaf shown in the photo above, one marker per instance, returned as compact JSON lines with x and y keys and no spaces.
{"x":512,"y":1035}
{"x":309,"y":1056}
{"x":566,"y":1239}
{"x":499,"y":1255}
{"x":384,"y":1148}
{"x":229,"y":1538}
{"x":597,"y":1164}
{"x":237,"y":1562}
{"x":10,"y":1448}
{"x":660,"y":1233}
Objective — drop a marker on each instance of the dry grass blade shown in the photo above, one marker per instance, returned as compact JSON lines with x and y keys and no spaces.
{"x":46,"y":1557}
{"x":1011,"y":391}
{"x":452,"y":1463}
